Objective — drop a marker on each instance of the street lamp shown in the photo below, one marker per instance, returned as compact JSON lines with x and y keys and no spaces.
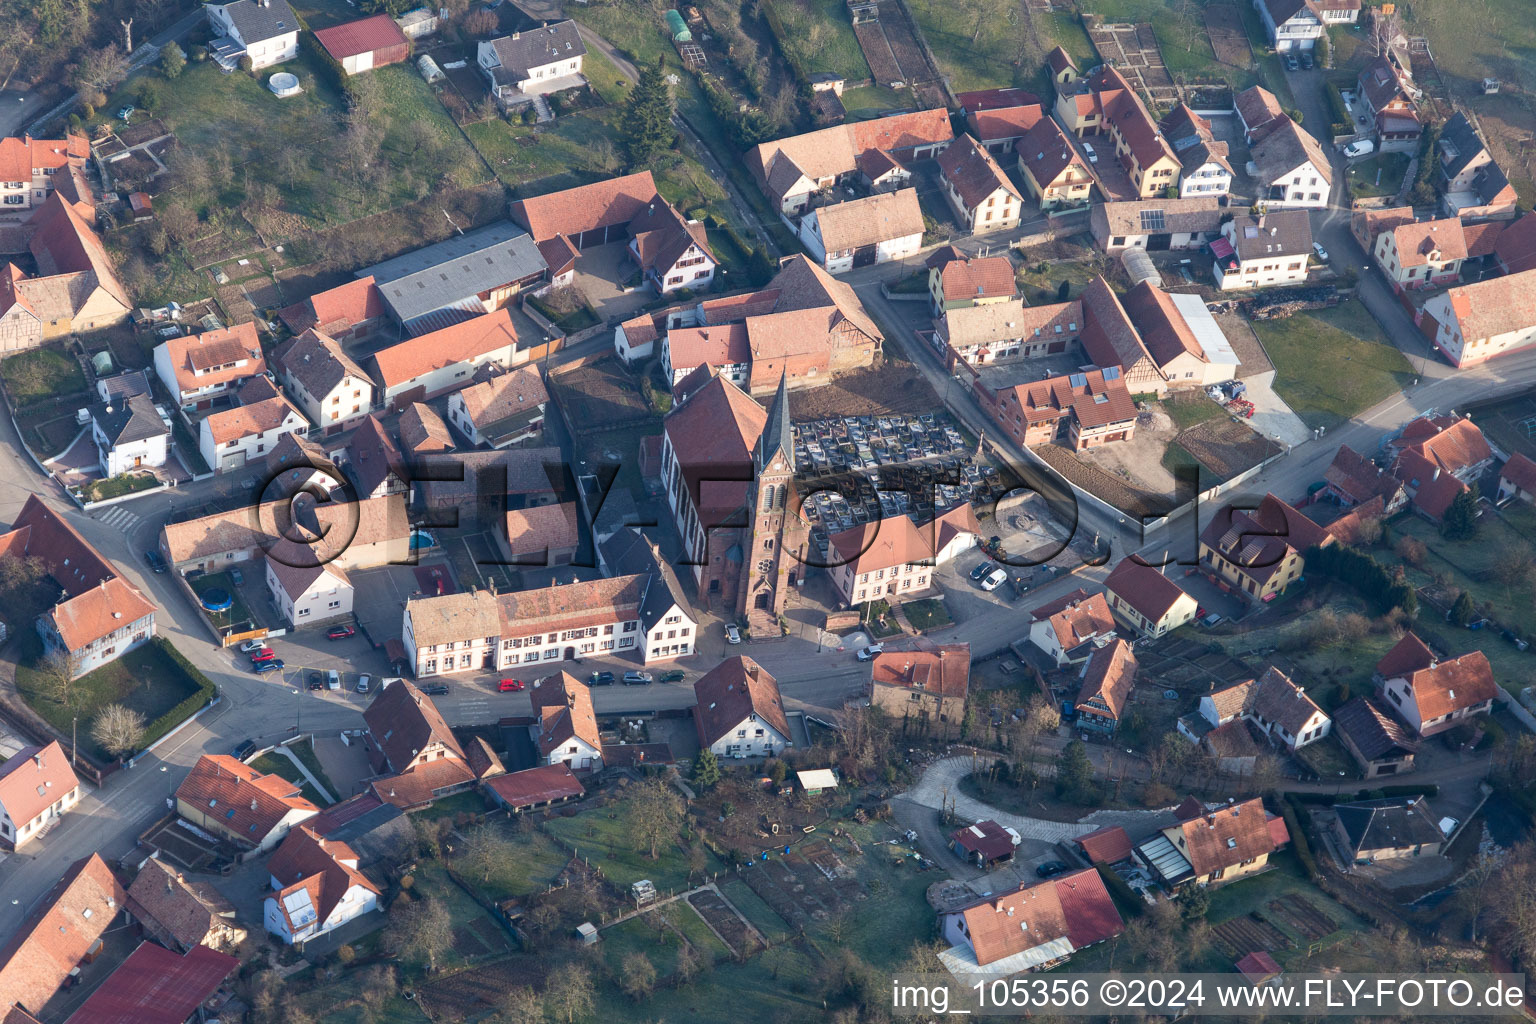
{"x":298,"y":710}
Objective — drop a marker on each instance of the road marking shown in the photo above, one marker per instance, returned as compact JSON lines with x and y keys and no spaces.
{"x":120,"y":519}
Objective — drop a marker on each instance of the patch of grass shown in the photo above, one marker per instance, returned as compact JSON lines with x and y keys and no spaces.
{"x":452,"y":806}
{"x":602,"y":836}
{"x":878,"y":620}
{"x":41,"y":373}
{"x":305,"y":752}
{"x":758,"y":913}
{"x":1327,"y":373}
{"x":274,"y":763}
{"x":818,"y":36}
{"x":144,"y":679}
{"x":1066,"y":31}
{"x":704,"y":942}
{"x":640,"y":935}
{"x":927,"y":613}
{"x":1381,"y":175}
{"x":535,"y":863}
{"x":974,"y":46}
{"x":432,"y":882}
{"x":117,"y":486}
{"x":874,"y":100}
{"x":1041,"y":288}
{"x":238,"y":614}
{"x":1188,"y":410}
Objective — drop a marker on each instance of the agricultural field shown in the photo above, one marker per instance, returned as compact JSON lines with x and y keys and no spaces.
{"x":1331,"y":364}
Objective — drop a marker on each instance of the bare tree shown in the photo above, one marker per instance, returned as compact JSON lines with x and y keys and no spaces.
{"x":118,"y":729}
{"x":637,"y":976}
{"x":56,"y":674}
{"x":655,"y":812}
{"x":1474,"y":887}
{"x":687,"y":967}
{"x":483,"y":848}
{"x":100,"y":70}
{"x":421,"y":931}
{"x":520,"y":1005}
{"x":570,"y":993}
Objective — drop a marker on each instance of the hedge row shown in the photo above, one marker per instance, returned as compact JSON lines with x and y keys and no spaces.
{"x":1131,"y":905}
{"x":1369,"y":578}
{"x":189,"y":706}
{"x":1291,"y":811}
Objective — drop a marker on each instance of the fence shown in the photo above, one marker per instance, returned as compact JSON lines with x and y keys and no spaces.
{"x":543,"y":321}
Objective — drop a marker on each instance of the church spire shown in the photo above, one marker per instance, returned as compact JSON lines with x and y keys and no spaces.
{"x":776,"y":436}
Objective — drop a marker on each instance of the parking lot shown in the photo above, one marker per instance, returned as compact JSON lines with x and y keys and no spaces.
{"x":380,"y":593}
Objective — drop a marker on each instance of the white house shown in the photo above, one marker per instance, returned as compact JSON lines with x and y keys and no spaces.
{"x":502,"y":411}
{"x":545,"y":59}
{"x":305,"y":592}
{"x":445,"y":360}
{"x":1291,"y":169}
{"x":1278,"y":707}
{"x":234,"y":437}
{"x":739,"y":712}
{"x":1475,"y":322}
{"x":1431,"y":695}
{"x":985,"y":198}
{"x":323,"y":381}
{"x":1152,"y":603}
{"x":36,"y":787}
{"x":316,"y":888}
{"x":267,"y":31}
{"x":129,"y":435}
{"x":202,"y":367}
{"x":565,"y":730}
{"x":896,"y":558}
{"x":1071,"y":628}
{"x":672,"y":251}
{"x":1290,"y":24}
{"x":225,"y":796}
{"x":876,"y":229}
{"x":1265,"y":251}
{"x":27,"y":166}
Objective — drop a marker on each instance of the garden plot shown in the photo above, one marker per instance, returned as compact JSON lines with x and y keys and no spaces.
{"x":724,"y":921}
{"x":797,"y":889}
{"x":1302,"y":916}
{"x":1134,"y":52}
{"x":479,"y":938}
{"x":463,"y":995}
{"x":1229,"y":40}
{"x":1243,"y":935}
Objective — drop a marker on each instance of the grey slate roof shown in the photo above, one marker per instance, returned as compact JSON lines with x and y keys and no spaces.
{"x":256,"y":21}
{"x":1391,"y":824}
{"x":628,"y":553}
{"x":317,"y":362}
{"x":1286,"y":148}
{"x":1373,"y":731}
{"x":1459,"y":143}
{"x":123,"y":386}
{"x":1278,"y":233}
{"x":538,"y":47}
{"x":134,"y":420}
{"x":776,"y":435}
{"x":442,"y":275}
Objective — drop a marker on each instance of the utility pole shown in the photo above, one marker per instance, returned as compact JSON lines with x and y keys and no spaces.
{"x":74,"y":735}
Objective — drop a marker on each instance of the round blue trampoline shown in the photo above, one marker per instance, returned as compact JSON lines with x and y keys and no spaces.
{"x":217,"y":599}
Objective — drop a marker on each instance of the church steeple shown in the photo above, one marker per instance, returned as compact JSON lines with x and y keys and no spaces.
{"x":776,"y":436}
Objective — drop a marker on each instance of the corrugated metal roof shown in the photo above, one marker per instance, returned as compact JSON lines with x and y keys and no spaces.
{"x":448,"y":273}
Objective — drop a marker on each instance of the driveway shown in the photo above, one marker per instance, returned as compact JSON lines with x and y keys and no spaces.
{"x":1271,"y":416}
{"x":940,"y":785}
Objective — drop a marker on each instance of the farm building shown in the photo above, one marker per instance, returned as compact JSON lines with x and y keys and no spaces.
{"x":365,"y":44}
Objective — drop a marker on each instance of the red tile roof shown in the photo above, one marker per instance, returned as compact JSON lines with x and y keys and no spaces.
{"x":536,"y":785}
{"x":336,"y":310}
{"x":994,"y":124}
{"x":729,"y":692}
{"x":218,"y":348}
{"x":56,"y":936}
{"x":1521,"y":472}
{"x":542,"y":528}
{"x":156,"y":986}
{"x":1516,"y":245}
{"x":362,"y":36}
{"x":943,"y":670}
{"x":1089,"y":909}
{"x":325,"y":868}
{"x":1258,"y":966}
{"x":462,"y":342}
{"x":1497,"y":306}
{"x":1453,"y":685}
{"x":1108,"y":845}
{"x":105,"y":608}
{"x":1257,"y":541}
{"x":1108,"y":679}
{"x":986,"y":839}
{"x":601,"y":204}
{"x":973,"y":172}
{"x":404,"y":722}
{"x":1075,"y":617}
{"x":983,"y":277}
{"x":20,"y":157}
{"x":1075,"y":907}
{"x":63,"y":243}
{"x":563,"y":706}
{"x":178,"y":910}
{"x":33,"y":779}
{"x":1144,"y":588}
{"x":1227,"y":836}
{"x":1407,"y":655}
{"x":994,"y":99}
{"x":1053,"y":398}
{"x":240,"y":799}
{"x":423,"y":783}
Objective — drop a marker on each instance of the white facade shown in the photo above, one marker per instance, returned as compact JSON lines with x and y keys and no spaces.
{"x":103,"y":649}
{"x":479,"y":653}
{"x":565,"y":67}
{"x":1398,"y":694}
{"x":576,"y":753}
{"x":237,"y":451}
{"x":694,"y":270}
{"x":119,"y":459}
{"x":1043,"y":635}
{"x":998,"y":211}
{"x":454,"y":376}
{"x":357,"y":901}
{"x":1298,"y":32}
{"x":673,"y":635}
{"x":842,"y":260}
{"x":350,"y":400}
{"x":1264,"y":271}
{"x":736,"y":373}
{"x":459,"y":416}
{"x":1306,"y":188}
{"x":751,"y":737}
{"x":1315,"y":727}
{"x":221,"y":381}
{"x":1463,"y":351}
{"x":898,"y":581}
{"x":328,"y":596}
{"x":263,"y":52}
{"x":1209,"y":180}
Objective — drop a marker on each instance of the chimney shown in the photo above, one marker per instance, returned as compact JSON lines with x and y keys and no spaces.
{"x":517,"y":35}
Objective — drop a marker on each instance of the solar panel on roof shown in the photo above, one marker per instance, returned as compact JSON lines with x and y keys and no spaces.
{"x":1078,"y":380}
{"x":1111,"y":373}
{"x":1152,"y":220}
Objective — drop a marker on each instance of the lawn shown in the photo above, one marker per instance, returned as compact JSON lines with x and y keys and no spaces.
{"x":758,"y":913}
{"x":117,"y":486}
{"x":602,"y":835}
{"x":927,"y":613}
{"x":818,"y":36}
{"x":1286,"y":878}
{"x":1381,"y":175}
{"x":432,"y":882}
{"x":41,"y":373}
{"x":1192,"y":408}
{"x":147,"y":679}
{"x":1040,"y":287}
{"x":1332,"y":364}
{"x":875,"y":101}
{"x":974,"y":47}
{"x":469,"y":802}
{"x":274,"y":763}
{"x":535,"y":862}
{"x":641,"y":935}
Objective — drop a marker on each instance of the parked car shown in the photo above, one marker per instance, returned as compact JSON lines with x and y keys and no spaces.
{"x":1306,"y":60}
{"x":677,"y":675}
{"x":1050,"y":869}
{"x":263,"y":654}
{"x":156,"y":563}
{"x":315,"y":682}
{"x":993,"y":580}
{"x":1291,"y":63}
{"x":435,"y":689}
{"x":871,"y":652}
{"x":1360,"y":147}
{"x":601,"y":679}
{"x":511,"y":686}
{"x":332,"y":680}
{"x":981,"y":571}
{"x":270,"y":665}
{"x":237,"y":576}
{"x":243,"y":749}
{"x":638,"y":679}
{"x":362,"y":684}
{"x":340,"y":632}
{"x":252,"y":645}
{"x":1093,"y":157}
{"x":1322,"y":254}
{"x":732,"y":634}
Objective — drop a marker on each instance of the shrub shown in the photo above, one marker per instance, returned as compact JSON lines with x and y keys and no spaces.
{"x":1289,"y":811}
{"x":1129,"y":904}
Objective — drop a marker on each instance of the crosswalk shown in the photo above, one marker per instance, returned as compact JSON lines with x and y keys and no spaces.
{"x":120,"y":518}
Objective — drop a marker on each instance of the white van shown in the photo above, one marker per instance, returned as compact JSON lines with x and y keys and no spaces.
{"x":1360,"y":147}
{"x":994,"y":579}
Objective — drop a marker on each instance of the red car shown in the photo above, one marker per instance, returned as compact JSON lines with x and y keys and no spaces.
{"x":511,"y":685}
{"x":341,"y":632}
{"x":263,"y":654}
